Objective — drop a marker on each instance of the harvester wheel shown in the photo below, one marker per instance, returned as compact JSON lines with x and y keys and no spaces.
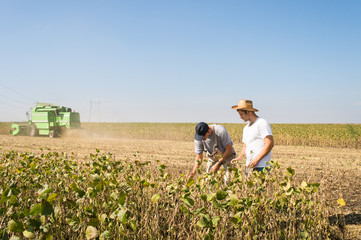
{"x":33,"y":131}
{"x":52,"y":134}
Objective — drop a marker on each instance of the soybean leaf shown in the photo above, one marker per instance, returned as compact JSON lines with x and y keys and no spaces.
{"x":204,"y":197}
{"x":304,"y":234}
{"x":91,"y":232}
{"x":34,"y":223}
{"x":201,"y":223}
{"x":250,"y":184}
{"x":102,"y":218}
{"x":122,"y":198}
{"x":14,"y":238}
{"x":46,"y":208}
{"x":315,"y":186}
{"x":71,"y":221}
{"x":114,"y":195}
{"x":291,"y":171}
{"x":185,"y":210}
{"x":162,"y":166}
{"x":26,"y":212}
{"x":287,"y":186}
{"x":188,"y":201}
{"x":57,"y":212}
{"x":93,"y":222}
{"x":215,"y":221}
{"x":234,"y":221}
{"x":105,"y":235}
{"x":190,"y":182}
{"x":155,"y":197}
{"x":220,"y":195}
{"x":210,"y":197}
{"x":29,"y":234}
{"x":4,"y":199}
{"x":81,"y":193}
{"x":304,"y":184}
{"x":233,"y":200}
{"x":209,"y":236}
{"x":47,"y":236}
{"x":15,"y":226}
{"x":45,"y":191}
{"x":123,"y":215}
{"x":133,"y":225}
{"x":13,"y":200}
{"x":52,"y":197}
{"x":36,"y":209}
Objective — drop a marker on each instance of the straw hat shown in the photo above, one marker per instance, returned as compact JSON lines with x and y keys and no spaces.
{"x":245,"y":105}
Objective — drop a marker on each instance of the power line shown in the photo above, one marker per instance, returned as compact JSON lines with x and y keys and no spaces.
{"x":11,"y":105}
{"x":20,"y":94}
{"x":12,"y":99}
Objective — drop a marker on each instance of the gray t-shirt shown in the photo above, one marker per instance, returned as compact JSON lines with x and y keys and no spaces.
{"x":223,"y":140}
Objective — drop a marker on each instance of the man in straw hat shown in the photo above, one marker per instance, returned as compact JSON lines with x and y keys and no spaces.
{"x":257,"y":138}
{"x":216,"y":142}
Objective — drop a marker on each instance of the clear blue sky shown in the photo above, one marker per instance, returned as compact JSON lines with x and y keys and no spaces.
{"x":182,"y":61}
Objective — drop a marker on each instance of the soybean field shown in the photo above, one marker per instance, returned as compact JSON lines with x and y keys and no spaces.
{"x":128,"y":181}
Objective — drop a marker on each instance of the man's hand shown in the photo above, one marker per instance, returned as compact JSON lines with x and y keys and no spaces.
{"x":252,"y":163}
{"x":197,"y":163}
{"x":235,"y":160}
{"x":191,"y":175}
{"x":216,"y":167}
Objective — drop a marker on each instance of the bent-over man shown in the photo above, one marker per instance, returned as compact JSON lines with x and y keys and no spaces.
{"x":215,"y":141}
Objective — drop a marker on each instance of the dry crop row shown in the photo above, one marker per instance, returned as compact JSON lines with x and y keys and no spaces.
{"x":317,"y":135}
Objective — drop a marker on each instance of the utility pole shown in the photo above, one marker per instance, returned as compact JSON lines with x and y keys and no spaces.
{"x":90,"y":111}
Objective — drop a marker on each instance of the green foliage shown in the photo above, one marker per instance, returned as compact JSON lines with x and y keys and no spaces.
{"x":53,"y":197}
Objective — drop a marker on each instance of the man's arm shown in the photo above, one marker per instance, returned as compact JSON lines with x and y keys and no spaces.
{"x":197,"y":163}
{"x":225,"y":155}
{"x":268,"y":140}
{"x":242,"y":156}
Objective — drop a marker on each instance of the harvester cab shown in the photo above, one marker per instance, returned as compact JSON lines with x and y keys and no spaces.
{"x":47,"y":119}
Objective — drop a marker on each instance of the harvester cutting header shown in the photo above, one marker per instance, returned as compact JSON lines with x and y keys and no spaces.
{"x":47,"y":119}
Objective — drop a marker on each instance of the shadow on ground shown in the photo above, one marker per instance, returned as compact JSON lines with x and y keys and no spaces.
{"x":349,"y":219}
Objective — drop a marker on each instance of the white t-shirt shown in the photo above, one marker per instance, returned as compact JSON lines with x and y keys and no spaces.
{"x":253,"y":137}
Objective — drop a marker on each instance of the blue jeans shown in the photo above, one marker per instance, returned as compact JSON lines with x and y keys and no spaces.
{"x":260,"y":169}
{"x":257,"y":169}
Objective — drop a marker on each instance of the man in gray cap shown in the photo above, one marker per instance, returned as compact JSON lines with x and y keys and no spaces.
{"x":216,"y":142}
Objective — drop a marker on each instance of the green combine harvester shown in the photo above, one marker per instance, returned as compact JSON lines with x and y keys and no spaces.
{"x":47,"y":119}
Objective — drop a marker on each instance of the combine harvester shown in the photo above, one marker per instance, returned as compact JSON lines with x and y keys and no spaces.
{"x":47,"y":119}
